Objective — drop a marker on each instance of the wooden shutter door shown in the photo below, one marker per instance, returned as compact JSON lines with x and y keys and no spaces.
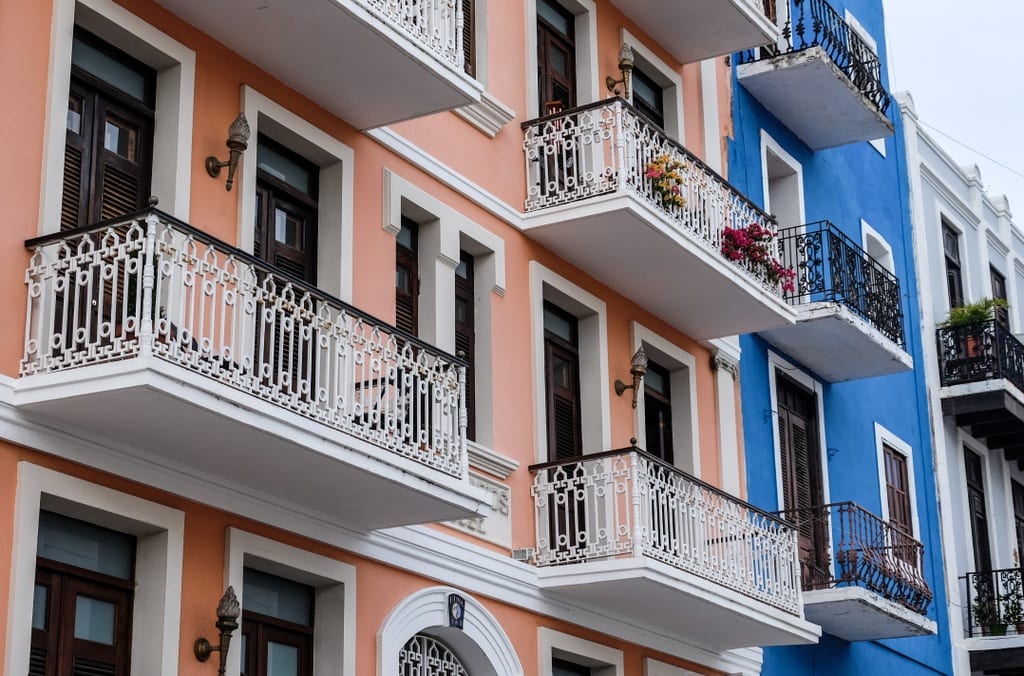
{"x":122,"y":140}
{"x":77,"y":157}
{"x":564,"y":424}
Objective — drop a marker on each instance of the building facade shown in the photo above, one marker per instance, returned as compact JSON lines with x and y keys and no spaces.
{"x":835,"y":422}
{"x":970,"y":252}
{"x":390,"y":387}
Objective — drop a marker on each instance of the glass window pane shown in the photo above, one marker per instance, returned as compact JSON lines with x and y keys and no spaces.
{"x":275,"y":596}
{"x":74,"y":122}
{"x":94,"y":620}
{"x":39,"y":599}
{"x":558,"y":60}
{"x":284,"y":168}
{"x":558,"y":325}
{"x":84,"y":545}
{"x":288,"y":229}
{"x":282,"y":660}
{"x":655,"y":380}
{"x":554,"y":15}
{"x":108,"y":69}
{"x":121,"y":138}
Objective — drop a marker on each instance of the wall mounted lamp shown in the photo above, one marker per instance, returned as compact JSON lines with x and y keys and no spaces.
{"x":626,"y":68}
{"x":228,"y":611}
{"x":637,"y":369}
{"x":238,"y":141}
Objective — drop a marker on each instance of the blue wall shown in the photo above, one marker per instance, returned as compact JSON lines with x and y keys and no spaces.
{"x":844,"y":185}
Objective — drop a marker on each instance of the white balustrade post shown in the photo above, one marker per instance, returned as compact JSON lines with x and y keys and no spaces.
{"x":460,"y":56}
{"x":619,"y":145}
{"x":463,"y":424}
{"x":146,"y":330}
{"x":639,"y":476}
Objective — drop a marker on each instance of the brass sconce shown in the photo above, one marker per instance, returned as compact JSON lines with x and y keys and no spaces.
{"x":637,"y":369}
{"x":626,"y":68}
{"x":228,"y":611}
{"x":238,"y":141}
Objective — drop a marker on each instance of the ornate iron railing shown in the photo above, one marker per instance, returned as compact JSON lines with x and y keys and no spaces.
{"x":978,"y":352}
{"x":815,"y":23}
{"x":149,"y":285}
{"x":434,"y":24}
{"x":608,"y":146}
{"x":995,"y":602}
{"x":629,"y":504}
{"x":830,"y":267}
{"x":865,"y":552}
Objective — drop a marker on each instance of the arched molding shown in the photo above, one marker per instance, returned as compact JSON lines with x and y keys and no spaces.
{"x":482,"y":645}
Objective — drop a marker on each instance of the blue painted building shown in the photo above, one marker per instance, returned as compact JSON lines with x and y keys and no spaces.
{"x":835,"y":409}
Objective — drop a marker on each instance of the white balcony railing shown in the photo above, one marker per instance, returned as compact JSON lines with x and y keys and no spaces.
{"x":626,"y":503}
{"x":151,"y":286}
{"x":434,"y":24}
{"x":607,"y":147}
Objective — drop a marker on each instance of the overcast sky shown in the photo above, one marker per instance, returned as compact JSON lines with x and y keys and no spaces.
{"x":963,"y":63}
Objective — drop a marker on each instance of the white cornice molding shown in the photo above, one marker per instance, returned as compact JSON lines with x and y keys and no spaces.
{"x":489,"y":116}
{"x":492,"y":462}
{"x":421,"y":550}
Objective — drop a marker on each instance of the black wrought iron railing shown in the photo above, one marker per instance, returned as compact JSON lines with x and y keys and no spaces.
{"x":866,"y":552}
{"x":815,"y":23}
{"x":977,"y":352}
{"x":995,"y":602}
{"x":830,"y":267}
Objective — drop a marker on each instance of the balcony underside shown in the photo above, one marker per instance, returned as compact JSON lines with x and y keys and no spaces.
{"x":992,"y":410}
{"x":692,"y":30}
{"x":858,"y":614}
{"x":997,"y":655}
{"x":630,"y":247}
{"x":324,"y":48}
{"x":809,"y":94}
{"x":168,"y":415}
{"x":677,"y":603}
{"x":838,"y":345}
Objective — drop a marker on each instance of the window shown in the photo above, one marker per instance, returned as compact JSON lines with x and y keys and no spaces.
{"x":568,"y":655}
{"x":897,"y":489}
{"x":465,"y":332}
{"x":954,"y":279}
{"x":658,"y":412}
{"x":999,"y":291}
{"x":562,"y":383}
{"x":782,"y":183}
{"x":407,"y":277}
{"x":649,"y":97}
{"x":277,"y":626}
{"x":556,"y":57}
{"x":109,"y":137}
{"x":82,"y":605}
{"x":976,"y":511}
{"x":1018,"y":517}
{"x":286,"y":210}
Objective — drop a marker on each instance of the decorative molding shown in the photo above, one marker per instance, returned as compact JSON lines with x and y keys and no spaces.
{"x":722,"y":362}
{"x":492,"y":462}
{"x":489,"y":115}
{"x":496,"y":527}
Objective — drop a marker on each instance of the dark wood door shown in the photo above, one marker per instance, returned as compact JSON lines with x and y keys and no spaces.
{"x":977,"y":512}
{"x":802,"y":486}
{"x":556,"y":57}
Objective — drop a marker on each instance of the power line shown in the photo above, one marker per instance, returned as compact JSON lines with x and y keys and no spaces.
{"x":973,"y":149}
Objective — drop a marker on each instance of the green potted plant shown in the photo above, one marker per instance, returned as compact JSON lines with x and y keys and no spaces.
{"x":985,"y":610}
{"x":975,"y":313}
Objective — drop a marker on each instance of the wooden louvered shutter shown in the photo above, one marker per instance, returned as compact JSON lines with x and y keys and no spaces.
{"x":77,"y":157}
{"x":562,"y":385}
{"x":469,"y":36}
{"x":978,"y":513}
{"x":556,"y":59}
{"x":465,"y":333}
{"x":121,"y":160}
{"x":407,"y":278}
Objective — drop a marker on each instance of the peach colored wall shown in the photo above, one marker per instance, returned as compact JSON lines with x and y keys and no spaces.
{"x":379,"y":587}
{"x":496,"y":165}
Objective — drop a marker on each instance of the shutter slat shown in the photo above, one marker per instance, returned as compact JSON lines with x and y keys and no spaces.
{"x":565,"y":428}
{"x":71,"y":199}
{"x":37,"y":662}
{"x":84,"y":667}
{"x":120,"y":194}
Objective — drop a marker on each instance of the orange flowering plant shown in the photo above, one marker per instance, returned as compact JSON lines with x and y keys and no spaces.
{"x":666,"y":176}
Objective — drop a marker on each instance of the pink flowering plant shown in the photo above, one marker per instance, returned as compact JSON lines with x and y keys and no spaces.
{"x":666,"y":176}
{"x":752,"y":246}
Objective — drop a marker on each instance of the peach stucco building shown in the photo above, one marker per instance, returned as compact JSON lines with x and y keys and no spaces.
{"x":373,"y":386}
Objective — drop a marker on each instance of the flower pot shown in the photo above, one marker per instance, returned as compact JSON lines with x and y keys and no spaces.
{"x":994,"y":630}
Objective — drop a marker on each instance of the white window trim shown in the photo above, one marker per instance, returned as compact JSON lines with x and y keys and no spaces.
{"x":603,"y":660}
{"x":336,"y":188}
{"x":777,"y":362}
{"x":446,"y":233}
{"x":546,"y":284}
{"x":868,"y":233}
{"x":171,"y":177}
{"x":770,"y":144}
{"x":161,"y":533}
{"x":669,"y":79}
{"x":334,"y":582}
{"x":653,"y":667}
{"x":588,"y":87}
{"x":683,"y":384}
{"x":481,"y":645}
{"x":887,"y":437}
